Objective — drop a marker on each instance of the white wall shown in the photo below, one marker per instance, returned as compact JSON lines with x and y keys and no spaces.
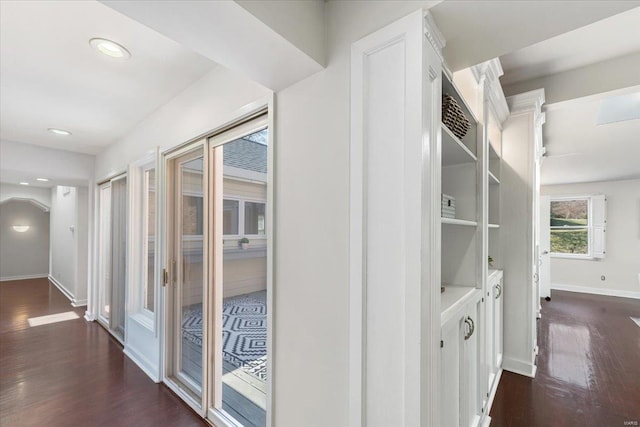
{"x":25,"y":162}
{"x":68,"y":236}
{"x":11,"y":191}
{"x":23,"y":255}
{"x":206,"y":104}
{"x":621,"y":265}
{"x":312,"y":194}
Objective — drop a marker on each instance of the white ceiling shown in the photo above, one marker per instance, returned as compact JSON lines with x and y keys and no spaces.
{"x":580,"y":151}
{"x":577,"y":149}
{"x":609,"y":38}
{"x":51,"y":78}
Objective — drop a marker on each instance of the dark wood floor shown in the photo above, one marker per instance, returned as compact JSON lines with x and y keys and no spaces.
{"x":72,"y":373}
{"x":588,"y":367}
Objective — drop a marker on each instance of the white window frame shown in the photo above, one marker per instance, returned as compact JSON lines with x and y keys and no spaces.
{"x":241,"y":219}
{"x":591,"y":219}
{"x":138,"y":246}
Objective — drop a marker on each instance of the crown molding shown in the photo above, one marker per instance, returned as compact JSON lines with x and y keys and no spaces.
{"x":531,"y":101}
{"x":433,"y":34}
{"x":488,"y":74}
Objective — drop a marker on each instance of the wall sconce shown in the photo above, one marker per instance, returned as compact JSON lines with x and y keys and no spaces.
{"x":21,"y":228}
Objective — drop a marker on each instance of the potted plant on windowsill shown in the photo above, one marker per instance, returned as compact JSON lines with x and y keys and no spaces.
{"x":244,"y":243}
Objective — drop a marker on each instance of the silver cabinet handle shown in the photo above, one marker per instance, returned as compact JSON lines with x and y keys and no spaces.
{"x":472,"y":327}
{"x":499,"y":288}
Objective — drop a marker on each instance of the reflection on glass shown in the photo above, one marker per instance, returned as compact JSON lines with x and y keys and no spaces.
{"x":190,"y":271}
{"x":150,"y":185}
{"x":244,"y":311}
{"x":254,"y":214}
{"x":230,"y":217}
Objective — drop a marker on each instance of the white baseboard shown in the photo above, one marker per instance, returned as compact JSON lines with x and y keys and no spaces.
{"x":595,"y":291}
{"x":61,"y":288}
{"x":493,"y":391}
{"x":89,"y":317}
{"x":519,"y":367}
{"x":29,"y":276}
{"x":79,"y":303}
{"x":143,"y":363}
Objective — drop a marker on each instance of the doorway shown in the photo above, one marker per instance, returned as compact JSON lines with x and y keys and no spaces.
{"x":218,"y":275}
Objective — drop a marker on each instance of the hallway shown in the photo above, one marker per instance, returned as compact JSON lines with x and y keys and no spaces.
{"x":72,"y":373}
{"x":588,"y":367}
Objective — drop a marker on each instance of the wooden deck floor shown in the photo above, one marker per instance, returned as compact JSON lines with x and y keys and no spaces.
{"x":72,"y":373}
{"x":588,"y":367}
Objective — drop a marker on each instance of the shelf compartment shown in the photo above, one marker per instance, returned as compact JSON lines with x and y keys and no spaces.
{"x":448,"y":87}
{"x":454,"y":152}
{"x":455,"y":221}
{"x":493,"y":180}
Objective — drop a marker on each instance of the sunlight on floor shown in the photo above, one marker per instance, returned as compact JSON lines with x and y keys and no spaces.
{"x":52,"y":318}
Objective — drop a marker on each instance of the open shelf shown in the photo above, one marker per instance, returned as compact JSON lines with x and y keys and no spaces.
{"x":493,"y":180}
{"x":454,"y":152}
{"x":455,"y":221}
{"x":449,"y":88}
{"x":453,"y":298}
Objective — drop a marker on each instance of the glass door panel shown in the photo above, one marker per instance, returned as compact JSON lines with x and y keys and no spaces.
{"x":239,"y":206}
{"x":118,"y":255}
{"x":104,"y":263}
{"x":188,"y":272}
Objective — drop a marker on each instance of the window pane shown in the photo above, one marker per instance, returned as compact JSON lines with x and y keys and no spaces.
{"x":254,"y":218}
{"x":192,"y":211}
{"x":569,"y":241}
{"x":230,"y":217}
{"x":569,"y":213}
{"x":150,"y":178}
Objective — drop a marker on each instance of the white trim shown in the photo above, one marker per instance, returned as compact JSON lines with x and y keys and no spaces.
{"x":78,"y":303}
{"x":493,"y":391}
{"x":527,"y":102}
{"x":61,"y":288}
{"x":143,"y":363}
{"x":595,"y":291}
{"x":519,"y":367}
{"x":34,"y":202}
{"x":25,"y":277}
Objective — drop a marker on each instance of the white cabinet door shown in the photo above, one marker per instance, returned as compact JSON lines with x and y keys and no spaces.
{"x":497,"y":323}
{"x":450,"y":375}
{"x":471,"y":394}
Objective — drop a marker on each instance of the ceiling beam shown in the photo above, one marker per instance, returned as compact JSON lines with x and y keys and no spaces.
{"x":233,"y":37}
{"x":477,"y":31}
{"x":601,"y":77}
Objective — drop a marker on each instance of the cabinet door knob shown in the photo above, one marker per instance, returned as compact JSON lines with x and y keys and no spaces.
{"x":499,"y":289}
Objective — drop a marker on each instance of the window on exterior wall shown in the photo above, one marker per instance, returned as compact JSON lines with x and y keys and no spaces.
{"x":230,"y":217}
{"x":254,"y":218}
{"x":577,"y":226}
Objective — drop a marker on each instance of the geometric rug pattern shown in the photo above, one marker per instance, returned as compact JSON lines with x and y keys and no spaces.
{"x":244,"y":333}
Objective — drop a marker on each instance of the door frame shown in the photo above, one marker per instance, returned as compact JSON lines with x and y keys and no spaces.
{"x":243,"y":114}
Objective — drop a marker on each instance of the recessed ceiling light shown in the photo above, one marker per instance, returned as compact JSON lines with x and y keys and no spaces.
{"x":59,"y":131}
{"x":24,"y":183}
{"x":110,"y":48}
{"x":42,"y":179}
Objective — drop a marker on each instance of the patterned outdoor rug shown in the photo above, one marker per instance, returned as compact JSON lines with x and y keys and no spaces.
{"x":244,"y":333}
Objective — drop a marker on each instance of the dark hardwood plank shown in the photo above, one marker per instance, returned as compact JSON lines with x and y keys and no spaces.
{"x":72,"y":373}
{"x":588,"y":367}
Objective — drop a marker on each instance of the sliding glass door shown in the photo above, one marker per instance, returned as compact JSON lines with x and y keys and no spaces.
{"x":218,"y":274}
{"x":239,"y":242}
